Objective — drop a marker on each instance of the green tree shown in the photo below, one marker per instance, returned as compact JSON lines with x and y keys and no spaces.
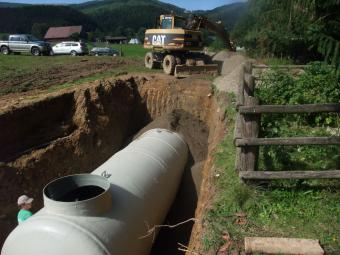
{"x":75,"y":37}
{"x":39,"y":30}
{"x":141,"y":34}
{"x":300,"y":29}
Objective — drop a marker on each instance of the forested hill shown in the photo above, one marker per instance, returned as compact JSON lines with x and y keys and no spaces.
{"x":106,"y":17}
{"x":117,"y":16}
{"x":228,"y":14}
{"x":22,"y":19}
{"x":5,"y":4}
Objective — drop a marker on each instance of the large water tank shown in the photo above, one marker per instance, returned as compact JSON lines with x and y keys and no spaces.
{"x":109,"y":211}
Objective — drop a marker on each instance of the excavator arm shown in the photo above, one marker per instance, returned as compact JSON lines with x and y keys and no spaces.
{"x":195,"y":22}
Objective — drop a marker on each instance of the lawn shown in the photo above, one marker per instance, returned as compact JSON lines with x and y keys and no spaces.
{"x":128,"y":50}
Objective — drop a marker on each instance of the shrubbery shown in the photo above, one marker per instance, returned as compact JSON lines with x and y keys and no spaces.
{"x":318,"y":84}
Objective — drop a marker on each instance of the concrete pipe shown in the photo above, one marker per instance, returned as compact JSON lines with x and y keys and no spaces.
{"x":109,"y":211}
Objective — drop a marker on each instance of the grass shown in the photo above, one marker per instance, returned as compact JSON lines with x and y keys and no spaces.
{"x":129,"y":50}
{"x":308,"y":209}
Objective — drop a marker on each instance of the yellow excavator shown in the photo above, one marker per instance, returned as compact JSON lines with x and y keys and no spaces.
{"x":177,"y":44}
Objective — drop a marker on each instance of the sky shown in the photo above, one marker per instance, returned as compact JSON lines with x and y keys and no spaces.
{"x":187,"y":4}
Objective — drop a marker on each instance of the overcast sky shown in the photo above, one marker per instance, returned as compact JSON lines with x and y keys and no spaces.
{"x":187,"y":4}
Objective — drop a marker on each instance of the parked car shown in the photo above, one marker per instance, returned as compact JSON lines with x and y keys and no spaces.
{"x":70,"y":48}
{"x":19,"y":43}
{"x":97,"y":51}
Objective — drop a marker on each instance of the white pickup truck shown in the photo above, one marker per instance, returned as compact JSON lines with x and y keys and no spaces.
{"x":25,"y":43}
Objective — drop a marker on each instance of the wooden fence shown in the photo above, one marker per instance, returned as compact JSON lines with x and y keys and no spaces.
{"x":247,"y":127}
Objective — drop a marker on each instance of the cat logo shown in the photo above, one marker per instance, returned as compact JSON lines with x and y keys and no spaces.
{"x":158,"y":39}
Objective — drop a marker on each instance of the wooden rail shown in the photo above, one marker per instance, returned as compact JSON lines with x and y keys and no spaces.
{"x":303,"y":108}
{"x":333,"y":140}
{"x":247,"y":126}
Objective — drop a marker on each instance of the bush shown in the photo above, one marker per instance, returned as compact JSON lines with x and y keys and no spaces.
{"x":318,"y":84}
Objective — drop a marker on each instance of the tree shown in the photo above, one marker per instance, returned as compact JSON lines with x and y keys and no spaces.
{"x":301,"y":29}
{"x":141,"y":34}
{"x":75,"y":37}
{"x":39,"y":30}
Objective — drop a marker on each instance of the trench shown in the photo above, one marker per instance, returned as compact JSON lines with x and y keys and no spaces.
{"x":76,"y":131}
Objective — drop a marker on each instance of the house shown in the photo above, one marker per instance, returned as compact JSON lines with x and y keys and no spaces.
{"x":116,"y":39}
{"x":59,"y":34}
{"x":134,"y":41}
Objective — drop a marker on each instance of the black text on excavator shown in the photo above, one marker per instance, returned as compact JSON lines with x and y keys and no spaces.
{"x":177,"y":44}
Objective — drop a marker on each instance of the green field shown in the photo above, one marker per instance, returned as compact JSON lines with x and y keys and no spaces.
{"x":128,"y":50}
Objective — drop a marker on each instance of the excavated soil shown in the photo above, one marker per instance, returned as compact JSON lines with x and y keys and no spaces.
{"x":56,"y":75}
{"x":76,"y":130}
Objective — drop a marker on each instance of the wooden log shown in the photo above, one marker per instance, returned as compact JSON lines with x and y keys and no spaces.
{"x":249,"y":84}
{"x":237,"y":135}
{"x":238,"y":127}
{"x":281,"y":175}
{"x":248,"y":67}
{"x":240,"y":91}
{"x":251,"y":129}
{"x":274,"y":245}
{"x":333,"y":140}
{"x":280,"y":66}
{"x":306,"y":108}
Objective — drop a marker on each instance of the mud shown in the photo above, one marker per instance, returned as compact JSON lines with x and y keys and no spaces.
{"x":40,"y":79}
{"x":77,"y":130}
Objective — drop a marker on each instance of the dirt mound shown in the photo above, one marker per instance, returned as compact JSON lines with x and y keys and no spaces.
{"x":230,"y":71}
{"x":40,"y":79}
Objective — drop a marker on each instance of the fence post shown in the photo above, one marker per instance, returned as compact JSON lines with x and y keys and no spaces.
{"x":251,"y":126}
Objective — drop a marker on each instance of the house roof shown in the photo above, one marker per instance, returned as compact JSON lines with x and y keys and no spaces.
{"x":62,"y":32}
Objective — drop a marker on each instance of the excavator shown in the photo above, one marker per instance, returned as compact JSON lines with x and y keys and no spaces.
{"x":176,"y":45}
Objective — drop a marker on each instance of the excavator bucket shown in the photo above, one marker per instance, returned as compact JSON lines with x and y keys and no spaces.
{"x":182,"y":71}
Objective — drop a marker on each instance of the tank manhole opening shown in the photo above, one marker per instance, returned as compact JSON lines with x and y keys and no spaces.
{"x":76,"y":188}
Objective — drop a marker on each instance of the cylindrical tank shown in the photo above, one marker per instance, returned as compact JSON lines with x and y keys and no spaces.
{"x":109,"y":211}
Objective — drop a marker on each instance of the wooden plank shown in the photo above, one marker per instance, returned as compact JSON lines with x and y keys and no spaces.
{"x":272,"y":245}
{"x":249,"y":88}
{"x":306,"y":108}
{"x":251,"y":128}
{"x":276,"y":175}
{"x":280,"y":66}
{"x":240,"y":89}
{"x":238,"y":134}
{"x":333,"y":140}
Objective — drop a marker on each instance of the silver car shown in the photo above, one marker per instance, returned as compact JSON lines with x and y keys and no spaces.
{"x":70,"y":48}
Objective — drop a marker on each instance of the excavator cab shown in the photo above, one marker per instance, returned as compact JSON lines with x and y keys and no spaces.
{"x":171,"y":22}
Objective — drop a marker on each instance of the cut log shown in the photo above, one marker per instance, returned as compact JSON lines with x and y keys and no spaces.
{"x":333,"y":140}
{"x":278,"y":175}
{"x":272,"y":245}
{"x":303,"y":108}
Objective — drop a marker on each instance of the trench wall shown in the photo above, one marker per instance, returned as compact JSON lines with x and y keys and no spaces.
{"x":76,"y":131}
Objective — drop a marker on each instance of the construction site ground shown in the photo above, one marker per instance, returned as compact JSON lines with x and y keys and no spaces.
{"x":69,"y":118}
{"x":63,"y":119}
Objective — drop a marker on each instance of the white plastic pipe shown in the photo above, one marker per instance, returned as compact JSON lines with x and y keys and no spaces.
{"x":109,"y":211}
